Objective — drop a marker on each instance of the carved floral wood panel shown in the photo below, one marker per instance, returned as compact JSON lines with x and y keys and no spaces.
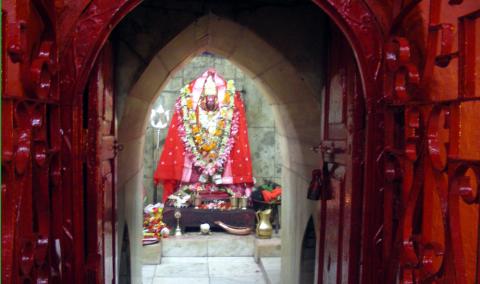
{"x":431,"y":159}
{"x":31,"y":145}
{"x":49,"y":49}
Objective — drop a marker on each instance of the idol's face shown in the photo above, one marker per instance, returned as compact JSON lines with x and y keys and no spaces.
{"x":211,"y":103}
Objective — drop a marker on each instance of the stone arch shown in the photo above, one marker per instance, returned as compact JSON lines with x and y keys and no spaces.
{"x":296,"y":110}
{"x":356,"y":19}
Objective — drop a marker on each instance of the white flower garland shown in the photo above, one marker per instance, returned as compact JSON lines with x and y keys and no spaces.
{"x":211,"y":163}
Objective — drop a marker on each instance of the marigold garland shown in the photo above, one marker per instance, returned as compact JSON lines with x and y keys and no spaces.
{"x":199,"y":144}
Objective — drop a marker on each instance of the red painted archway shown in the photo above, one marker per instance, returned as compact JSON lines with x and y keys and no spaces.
{"x":411,"y":181}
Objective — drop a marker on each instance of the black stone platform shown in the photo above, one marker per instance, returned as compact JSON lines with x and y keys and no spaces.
{"x":194,"y":217}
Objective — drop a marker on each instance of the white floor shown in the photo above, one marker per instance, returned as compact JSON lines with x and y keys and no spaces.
{"x":212,"y":270}
{"x":272,"y":267}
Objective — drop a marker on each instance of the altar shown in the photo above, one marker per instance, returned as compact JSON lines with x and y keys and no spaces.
{"x":191,"y":218}
{"x":205,"y":162}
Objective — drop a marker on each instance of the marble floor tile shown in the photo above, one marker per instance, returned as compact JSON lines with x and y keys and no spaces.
{"x":181,"y":280}
{"x":274,"y":278}
{"x":272,"y":266}
{"x":231,"y":246}
{"x":237,"y":280}
{"x":148,"y":270}
{"x":185,"y":246}
{"x":233,"y":267}
{"x":215,"y":270}
{"x":271,"y":263}
{"x":268,"y":247}
{"x":185,"y":259}
{"x":180,"y":268}
{"x":151,"y":254}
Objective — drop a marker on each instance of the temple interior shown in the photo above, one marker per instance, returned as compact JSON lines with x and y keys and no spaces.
{"x":265,"y":152}
{"x":279,"y":74}
{"x":266,"y":166}
{"x":228,"y":142}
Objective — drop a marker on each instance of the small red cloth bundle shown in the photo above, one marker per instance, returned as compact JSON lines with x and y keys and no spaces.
{"x":269,"y":196}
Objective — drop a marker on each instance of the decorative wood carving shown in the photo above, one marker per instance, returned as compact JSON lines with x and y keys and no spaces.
{"x":424,"y":235}
{"x":50,"y":48}
{"x":30,"y":144}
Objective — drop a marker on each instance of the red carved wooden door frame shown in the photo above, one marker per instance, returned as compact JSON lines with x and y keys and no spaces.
{"x":31,"y":146}
{"x":43,"y":141}
{"x":430,"y":171}
{"x":342,"y":152}
{"x":50,"y":49}
{"x":100,"y":170}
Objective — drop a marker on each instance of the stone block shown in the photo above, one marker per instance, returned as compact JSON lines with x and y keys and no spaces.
{"x":183,"y":47}
{"x":148,"y":271}
{"x":278,"y":158}
{"x":262,"y":153}
{"x":241,"y":268}
{"x":272,"y":267}
{"x":255,"y":54}
{"x":259,"y":112}
{"x":287,"y":85}
{"x":299,"y":120}
{"x":133,"y":218}
{"x":132,"y":159}
{"x":225,"y":34}
{"x":188,"y":245}
{"x":182,"y":267}
{"x":151,"y":254}
{"x":257,"y":279}
{"x":181,"y":280}
{"x":192,"y":73}
{"x":228,"y":245}
{"x":148,"y":186}
{"x":151,"y":80}
{"x":133,"y":122}
{"x":148,"y":151}
{"x":268,"y":247}
{"x":174,"y":84}
{"x":229,"y":70}
{"x":266,"y":90}
{"x":143,"y":44}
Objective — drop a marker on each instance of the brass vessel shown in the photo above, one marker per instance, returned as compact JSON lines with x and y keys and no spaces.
{"x":264,"y":227}
{"x":243,"y":202}
{"x":233,"y":202}
{"x":197,"y":201}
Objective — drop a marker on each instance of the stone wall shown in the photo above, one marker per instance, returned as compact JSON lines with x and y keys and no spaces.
{"x":261,"y":124}
{"x":296,"y":31}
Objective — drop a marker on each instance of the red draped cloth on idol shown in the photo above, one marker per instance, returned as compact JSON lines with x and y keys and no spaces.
{"x":207,"y":142}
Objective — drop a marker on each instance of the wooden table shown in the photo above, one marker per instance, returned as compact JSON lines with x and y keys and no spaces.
{"x":192,"y":218}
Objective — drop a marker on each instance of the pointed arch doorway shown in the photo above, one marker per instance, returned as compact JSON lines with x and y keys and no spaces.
{"x":300,"y":131}
{"x":90,"y":32}
{"x":276,"y":78}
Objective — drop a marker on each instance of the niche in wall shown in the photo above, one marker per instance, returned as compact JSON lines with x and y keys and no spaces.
{"x":262,"y":130}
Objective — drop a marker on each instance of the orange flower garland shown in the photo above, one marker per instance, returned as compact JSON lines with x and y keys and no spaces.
{"x":209,"y":151}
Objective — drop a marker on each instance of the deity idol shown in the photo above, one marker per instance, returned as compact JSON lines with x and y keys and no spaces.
{"x":206,"y":147}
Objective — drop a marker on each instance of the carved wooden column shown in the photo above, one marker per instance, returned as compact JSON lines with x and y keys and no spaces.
{"x":31,"y":138}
